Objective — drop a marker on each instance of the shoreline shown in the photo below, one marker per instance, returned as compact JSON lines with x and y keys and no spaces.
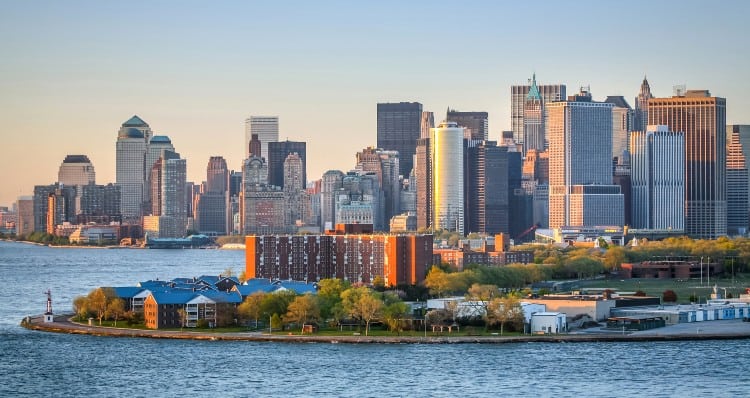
{"x":63,"y":324}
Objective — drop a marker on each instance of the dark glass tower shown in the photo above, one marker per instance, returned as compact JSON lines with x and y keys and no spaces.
{"x":399,"y":128}
{"x":277,"y":153}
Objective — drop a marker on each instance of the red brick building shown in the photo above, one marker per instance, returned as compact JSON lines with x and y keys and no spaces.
{"x":398,"y":259}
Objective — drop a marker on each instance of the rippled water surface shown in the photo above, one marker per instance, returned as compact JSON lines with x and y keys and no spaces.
{"x":47,"y":364}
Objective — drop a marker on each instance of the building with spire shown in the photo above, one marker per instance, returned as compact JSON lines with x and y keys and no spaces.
{"x":640,"y":114}
{"x":518,"y":94}
{"x":533,"y":120}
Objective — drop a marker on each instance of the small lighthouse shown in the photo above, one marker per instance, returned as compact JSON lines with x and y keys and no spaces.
{"x":48,"y":315}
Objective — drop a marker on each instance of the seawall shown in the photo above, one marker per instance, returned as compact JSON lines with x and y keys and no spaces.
{"x":62,"y":324}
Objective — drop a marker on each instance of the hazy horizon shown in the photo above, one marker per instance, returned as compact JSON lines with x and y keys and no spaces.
{"x":73,"y":72}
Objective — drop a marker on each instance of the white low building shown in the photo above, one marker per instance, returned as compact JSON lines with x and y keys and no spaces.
{"x":548,"y":322}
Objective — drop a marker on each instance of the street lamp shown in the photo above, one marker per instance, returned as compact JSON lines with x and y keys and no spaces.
{"x":701,"y":270}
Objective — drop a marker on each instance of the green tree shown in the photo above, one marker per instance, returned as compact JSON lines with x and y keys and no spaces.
{"x":329,"y":296}
{"x":393,"y":314}
{"x":504,"y":310}
{"x":80,"y":307}
{"x":252,"y":307}
{"x":614,"y":257}
{"x":115,"y":309}
{"x":438,"y":282}
{"x":304,"y":309}
{"x":97,"y":303}
{"x":483,"y":293}
{"x":360,"y":303}
{"x":277,"y":303}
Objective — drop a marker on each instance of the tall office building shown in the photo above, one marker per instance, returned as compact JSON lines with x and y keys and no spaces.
{"x":217,"y":175}
{"x":331,"y":182}
{"x":267,"y":129}
{"x":533,"y":120}
{"x":385,"y":164}
{"x":581,"y":191}
{"x":132,"y":144}
{"x":447,"y":142}
{"x":702,"y":118}
{"x":743,"y":135}
{"x":76,"y":170}
{"x":211,"y":204}
{"x":427,"y":122}
{"x":277,"y":154}
{"x":475,"y":124}
{"x":293,"y":169}
{"x":154,"y":148}
{"x":423,"y":182}
{"x":360,"y":200}
{"x":518,"y":94}
{"x":98,"y":204}
{"x":657,"y":159}
{"x":737,"y":185}
{"x":399,"y":127}
{"x":25,"y":219}
{"x":169,"y":209}
{"x":640,"y":114}
{"x":487,"y":194}
{"x":53,"y":205}
{"x":622,"y":124}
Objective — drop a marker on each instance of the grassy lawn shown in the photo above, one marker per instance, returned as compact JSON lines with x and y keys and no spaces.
{"x":683,"y":288}
{"x":120,"y":324}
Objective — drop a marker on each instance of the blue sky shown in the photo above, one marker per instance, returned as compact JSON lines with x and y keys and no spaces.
{"x":72,"y":72}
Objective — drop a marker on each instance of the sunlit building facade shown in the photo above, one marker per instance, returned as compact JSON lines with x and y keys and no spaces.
{"x":702,"y":118}
{"x":448,"y":176}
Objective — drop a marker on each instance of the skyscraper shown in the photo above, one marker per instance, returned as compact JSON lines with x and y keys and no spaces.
{"x":154,"y":148}
{"x":737,"y":185}
{"x":580,"y":164}
{"x":474,"y":123}
{"x":448,"y":176}
{"x":427,"y":122}
{"x":533,"y":120}
{"x":622,"y":124}
{"x":423,"y":182}
{"x":76,"y":170}
{"x":132,"y":141}
{"x":211,"y":204}
{"x":385,"y":164}
{"x":487,"y":182}
{"x":399,"y":127}
{"x":702,"y":118}
{"x":640,"y":114}
{"x":169,"y":209}
{"x":518,"y":94}
{"x":277,"y":154}
{"x":657,"y":159}
{"x":331,"y":182}
{"x":267,"y":129}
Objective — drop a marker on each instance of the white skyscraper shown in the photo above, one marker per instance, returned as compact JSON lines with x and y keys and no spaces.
{"x":267,"y":128}
{"x":132,"y":142}
{"x":448,"y":176}
{"x":657,"y":161}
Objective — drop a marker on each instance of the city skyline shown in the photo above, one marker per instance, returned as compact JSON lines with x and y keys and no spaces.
{"x":75,"y":73}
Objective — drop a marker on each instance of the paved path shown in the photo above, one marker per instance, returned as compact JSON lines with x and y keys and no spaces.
{"x":731,"y":329}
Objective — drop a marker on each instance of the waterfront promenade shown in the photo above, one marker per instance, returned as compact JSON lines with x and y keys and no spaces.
{"x":713,"y":330}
